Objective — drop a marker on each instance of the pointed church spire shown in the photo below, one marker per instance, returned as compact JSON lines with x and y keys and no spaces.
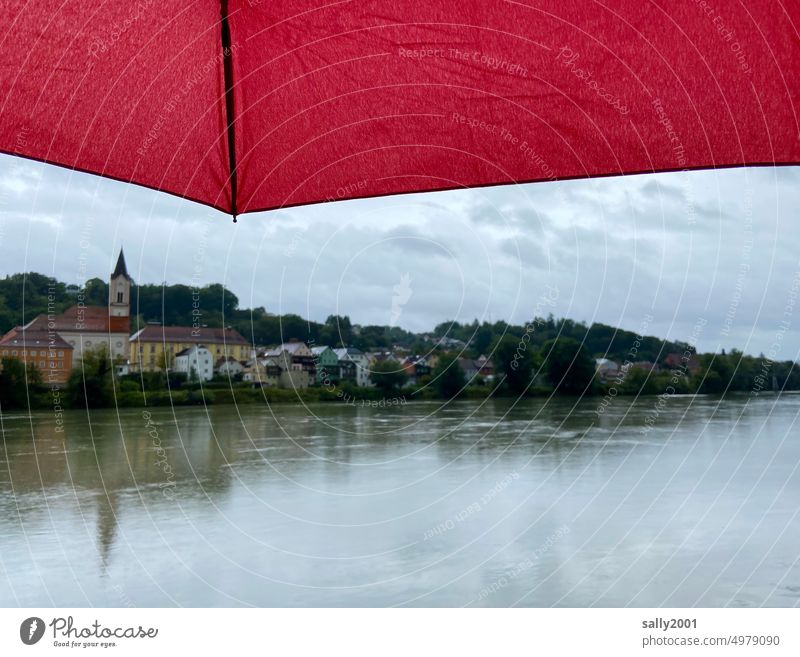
{"x":119,"y":290}
{"x":120,"y":269}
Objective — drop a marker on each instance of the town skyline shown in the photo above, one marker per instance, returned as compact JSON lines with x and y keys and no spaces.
{"x":195,"y":319}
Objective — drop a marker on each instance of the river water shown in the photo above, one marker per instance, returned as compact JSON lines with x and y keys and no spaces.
{"x":486,"y":503}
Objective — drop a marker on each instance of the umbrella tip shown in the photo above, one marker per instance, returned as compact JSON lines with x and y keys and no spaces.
{"x":234,"y":219}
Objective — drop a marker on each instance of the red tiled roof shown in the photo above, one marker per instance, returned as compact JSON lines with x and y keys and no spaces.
{"x":90,"y":319}
{"x":681,"y":360}
{"x":33,"y":337}
{"x":158,"y":333}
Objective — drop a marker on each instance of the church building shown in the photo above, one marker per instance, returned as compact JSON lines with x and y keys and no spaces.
{"x":90,"y":327}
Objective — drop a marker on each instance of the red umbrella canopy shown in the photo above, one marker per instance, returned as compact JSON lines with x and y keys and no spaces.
{"x":251,"y":105}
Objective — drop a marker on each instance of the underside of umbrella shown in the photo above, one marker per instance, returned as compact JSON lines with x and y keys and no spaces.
{"x":252,"y":105}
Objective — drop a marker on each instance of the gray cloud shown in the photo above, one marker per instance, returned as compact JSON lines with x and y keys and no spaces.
{"x":671,"y":245}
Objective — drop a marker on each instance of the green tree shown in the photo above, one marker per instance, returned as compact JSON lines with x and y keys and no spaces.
{"x":482,"y":340}
{"x":514,"y":362}
{"x":373,"y":337}
{"x":89,"y":385}
{"x":337,"y":331}
{"x":164,"y":360}
{"x":96,"y":292}
{"x":638,"y":382}
{"x":29,"y":292}
{"x":448,"y":377}
{"x":6,"y":316}
{"x":217,"y":298}
{"x":569,"y":367}
{"x":716,"y":373}
{"x":16,"y":382}
{"x":388,"y":376}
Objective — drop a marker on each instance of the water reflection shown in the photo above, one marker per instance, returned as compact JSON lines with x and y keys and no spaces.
{"x":491,"y":503}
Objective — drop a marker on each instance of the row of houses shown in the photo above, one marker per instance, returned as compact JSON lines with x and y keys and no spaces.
{"x":608,"y":370}
{"x":295,"y":364}
{"x":289,"y":365}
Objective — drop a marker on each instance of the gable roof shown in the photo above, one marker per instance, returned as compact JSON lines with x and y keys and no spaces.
{"x":189,"y":350}
{"x":291,"y":347}
{"x":30,"y":338}
{"x":203,"y":335}
{"x":86,"y":319}
{"x":352,"y":352}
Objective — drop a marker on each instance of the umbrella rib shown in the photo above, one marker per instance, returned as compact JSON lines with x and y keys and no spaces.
{"x":227,"y":61}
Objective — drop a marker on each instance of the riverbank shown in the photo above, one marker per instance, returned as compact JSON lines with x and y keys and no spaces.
{"x":217,"y":394}
{"x":221,"y":393}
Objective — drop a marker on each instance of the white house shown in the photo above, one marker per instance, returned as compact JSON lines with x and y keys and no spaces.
{"x":606,"y":369}
{"x":197,"y":359}
{"x":361,"y":361}
{"x":228,"y":366}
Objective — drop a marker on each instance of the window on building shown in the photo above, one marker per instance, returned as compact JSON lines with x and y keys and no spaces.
{"x":152,"y":349}
{"x":41,"y":364}
{"x":14,"y":353}
{"x":61,"y":354}
{"x":52,"y":364}
{"x":119,"y":297}
{"x":33,"y":352}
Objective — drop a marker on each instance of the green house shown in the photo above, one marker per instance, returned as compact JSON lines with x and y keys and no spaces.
{"x":327,"y":363}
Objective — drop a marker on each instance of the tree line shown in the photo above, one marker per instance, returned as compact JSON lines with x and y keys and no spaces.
{"x":23,"y":296}
{"x":564,"y":365}
{"x":543,"y":356}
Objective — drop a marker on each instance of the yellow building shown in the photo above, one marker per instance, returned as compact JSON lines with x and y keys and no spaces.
{"x":155,"y":345}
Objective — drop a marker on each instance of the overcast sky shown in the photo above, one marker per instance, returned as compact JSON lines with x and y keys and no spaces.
{"x":718,"y":249}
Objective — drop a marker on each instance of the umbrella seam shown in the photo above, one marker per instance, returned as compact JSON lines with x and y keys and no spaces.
{"x":227,"y":69}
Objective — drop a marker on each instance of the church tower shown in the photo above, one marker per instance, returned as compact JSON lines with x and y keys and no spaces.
{"x":119,"y":290}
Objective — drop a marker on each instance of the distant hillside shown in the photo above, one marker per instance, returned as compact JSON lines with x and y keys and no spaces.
{"x":23,"y":296}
